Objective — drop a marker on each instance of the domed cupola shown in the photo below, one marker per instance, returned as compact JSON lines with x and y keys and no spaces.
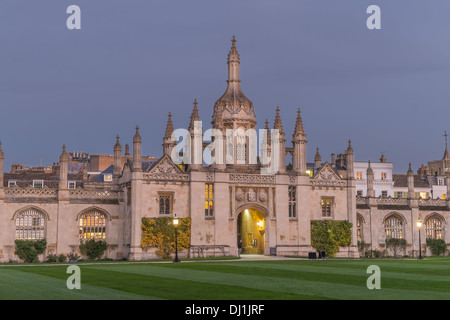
{"x":233,"y":106}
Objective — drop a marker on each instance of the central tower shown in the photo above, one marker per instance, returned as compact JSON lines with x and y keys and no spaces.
{"x":234,"y":111}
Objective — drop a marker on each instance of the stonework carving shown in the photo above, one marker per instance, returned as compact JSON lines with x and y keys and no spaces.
{"x":166,"y":170}
{"x":251,"y":178}
{"x":31,"y":192}
{"x":327,"y":178}
{"x":251,"y":195}
{"x":239,"y":195}
{"x":245,"y":194}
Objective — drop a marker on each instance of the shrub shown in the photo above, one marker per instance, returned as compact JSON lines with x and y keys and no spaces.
{"x":51,"y":258}
{"x":73,"y":256}
{"x":62,"y":258}
{"x":93,"y":249}
{"x":437,"y":246}
{"x":29,"y":250}
{"x":330,"y":235}
{"x":395,"y":245}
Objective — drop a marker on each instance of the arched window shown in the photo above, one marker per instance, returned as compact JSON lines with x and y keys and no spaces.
{"x":359,"y":227}
{"x":30,"y":225}
{"x":393,"y":226}
{"x":92,"y":225}
{"x":434,"y":227}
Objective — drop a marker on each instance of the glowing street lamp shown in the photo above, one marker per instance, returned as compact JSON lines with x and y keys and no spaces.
{"x":175,"y":223}
{"x":419,"y":226}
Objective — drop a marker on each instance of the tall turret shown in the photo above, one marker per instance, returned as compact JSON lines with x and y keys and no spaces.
{"x":299,"y":142}
{"x":280,"y":143}
{"x":63,"y":168}
{"x":137,"y":141}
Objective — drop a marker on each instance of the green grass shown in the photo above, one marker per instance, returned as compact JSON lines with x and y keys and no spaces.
{"x":230,"y":280}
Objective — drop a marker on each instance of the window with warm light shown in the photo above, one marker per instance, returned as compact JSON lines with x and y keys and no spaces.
{"x":393,"y":227}
{"x":359,"y":224}
{"x":209,"y":200}
{"x":359,"y":175}
{"x":92,"y":225}
{"x":434,"y":228}
{"x":327,"y":206}
{"x":292,"y":201}
{"x":383,"y":176}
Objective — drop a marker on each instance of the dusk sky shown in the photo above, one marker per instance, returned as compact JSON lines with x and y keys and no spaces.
{"x":134,"y":61}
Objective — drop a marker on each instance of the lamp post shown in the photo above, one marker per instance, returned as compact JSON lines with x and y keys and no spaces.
{"x":419,"y":225}
{"x":175,"y":223}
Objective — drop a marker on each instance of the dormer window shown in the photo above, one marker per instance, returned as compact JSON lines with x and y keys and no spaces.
{"x":38,"y":184}
{"x":71,"y":185}
{"x":12,"y":183}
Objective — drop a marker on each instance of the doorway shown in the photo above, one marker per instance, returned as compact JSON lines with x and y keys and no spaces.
{"x":251,"y":226}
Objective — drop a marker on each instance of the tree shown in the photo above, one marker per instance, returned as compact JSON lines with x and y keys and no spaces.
{"x":160,"y":233}
{"x":330,"y":235}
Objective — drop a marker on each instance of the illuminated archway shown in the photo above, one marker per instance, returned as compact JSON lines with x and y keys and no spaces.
{"x":251,"y":229}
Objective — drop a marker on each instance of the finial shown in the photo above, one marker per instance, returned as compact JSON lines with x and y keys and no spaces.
{"x":233,"y":41}
{"x":64,"y":148}
{"x":117,"y":139}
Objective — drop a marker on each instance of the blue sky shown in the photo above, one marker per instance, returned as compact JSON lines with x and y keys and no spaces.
{"x":134,"y":61}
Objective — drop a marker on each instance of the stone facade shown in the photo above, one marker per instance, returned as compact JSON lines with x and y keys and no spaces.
{"x":226,"y":201}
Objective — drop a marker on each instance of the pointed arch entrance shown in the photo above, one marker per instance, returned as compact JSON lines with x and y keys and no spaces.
{"x":252,"y":229}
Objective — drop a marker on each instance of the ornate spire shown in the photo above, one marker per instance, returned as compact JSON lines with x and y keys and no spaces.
{"x":64,"y":155}
{"x":317,"y":157}
{"x":369,"y":170}
{"x":299,"y":124}
{"x":277,"y":124}
{"x":117,"y":146}
{"x":169,"y":127}
{"x":194,"y":116}
{"x":349,"y":148}
{"x":233,"y":55}
{"x":410,"y":172}
{"x":137,"y":136}
{"x":233,"y":105}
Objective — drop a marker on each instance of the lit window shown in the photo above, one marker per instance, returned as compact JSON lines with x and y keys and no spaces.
{"x":359,"y":175}
{"x":107,"y":177}
{"x":92,"y":225}
{"x":359,"y":223}
{"x":327,"y":204}
{"x":443,"y":196}
{"x":434,"y":228}
{"x":383,"y":176}
{"x":292,"y":202}
{"x":209,"y":200}
{"x":39,"y":184}
{"x":423,"y":195}
{"x":393,"y":227}
{"x":30,"y":225}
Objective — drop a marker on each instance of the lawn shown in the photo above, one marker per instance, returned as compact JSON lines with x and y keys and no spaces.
{"x":232,"y":280}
